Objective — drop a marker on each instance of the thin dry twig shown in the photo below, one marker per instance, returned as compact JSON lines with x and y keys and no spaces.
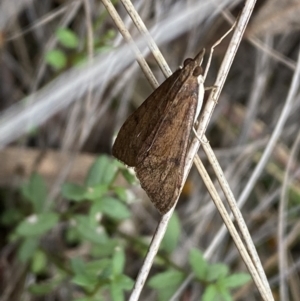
{"x":261,"y":164}
{"x":273,"y":53}
{"x":125,"y":33}
{"x":156,"y":239}
{"x":230,"y":226}
{"x":151,"y":43}
{"x":282,"y":246}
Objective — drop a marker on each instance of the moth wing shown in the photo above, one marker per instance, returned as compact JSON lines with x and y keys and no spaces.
{"x":142,"y":122}
{"x":160,"y":167}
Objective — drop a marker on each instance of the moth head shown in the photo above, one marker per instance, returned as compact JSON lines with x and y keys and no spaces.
{"x":187,"y":61}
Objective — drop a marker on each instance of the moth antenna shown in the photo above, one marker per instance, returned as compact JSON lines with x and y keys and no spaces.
{"x":213,"y":48}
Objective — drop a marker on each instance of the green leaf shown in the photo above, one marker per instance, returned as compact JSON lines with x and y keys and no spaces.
{"x":223,"y":292}
{"x":96,"y":192}
{"x":110,"y":207}
{"x":67,"y":38}
{"x":102,"y":42}
{"x":121,"y":193}
{"x":172,"y":234}
{"x":118,"y":285}
{"x":210,"y":293}
{"x":236,"y":280}
{"x":85,"y":280}
{"x":166,"y":283}
{"x":105,"y":249}
{"x":82,"y":276}
{"x":225,"y":295}
{"x":124,"y":282}
{"x":102,"y":172}
{"x":165,"y":279}
{"x":77,"y":265}
{"x":198,"y":264}
{"x":56,"y":59}
{"x":73,"y":192}
{"x":44,"y":288}
{"x":89,"y":230}
{"x":103,"y":49}
{"x":37,"y":225}
{"x":118,"y":261}
{"x":116,"y":292}
{"x":35,"y":191}
{"x":216,"y":271}
{"x":72,"y":236}
{"x":129,"y":175}
{"x":109,"y":35}
{"x":39,"y":262}
{"x":100,"y":267}
{"x":27,"y":249}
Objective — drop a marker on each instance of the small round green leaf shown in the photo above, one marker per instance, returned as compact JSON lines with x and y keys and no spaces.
{"x":118,"y":261}
{"x":236,"y":280}
{"x":96,"y":192}
{"x":172,"y":234}
{"x":89,"y":230}
{"x":116,"y":292}
{"x":27,"y":249}
{"x":36,"y":192}
{"x":198,"y":264}
{"x":85,"y":280}
{"x":39,"y":262}
{"x":56,"y":59}
{"x":124,"y":282}
{"x":101,"y":172}
{"x":166,"y":283}
{"x":216,"y":271}
{"x":67,"y":38}
{"x":37,"y":225}
{"x":210,"y":293}
{"x":74,"y":192}
{"x":110,"y":207}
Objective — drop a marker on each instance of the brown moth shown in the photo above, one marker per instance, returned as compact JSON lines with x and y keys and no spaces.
{"x":154,"y":139}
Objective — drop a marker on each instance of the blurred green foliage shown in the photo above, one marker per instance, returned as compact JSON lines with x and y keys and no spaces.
{"x":67,"y":51}
{"x":91,"y":217}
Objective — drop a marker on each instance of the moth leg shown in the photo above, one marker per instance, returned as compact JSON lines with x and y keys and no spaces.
{"x":203,"y":141}
{"x":195,"y":133}
{"x":211,"y":88}
{"x":213,"y":48}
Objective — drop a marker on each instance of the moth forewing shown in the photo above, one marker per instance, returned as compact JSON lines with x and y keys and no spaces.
{"x":142,"y":122}
{"x":155,"y":138}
